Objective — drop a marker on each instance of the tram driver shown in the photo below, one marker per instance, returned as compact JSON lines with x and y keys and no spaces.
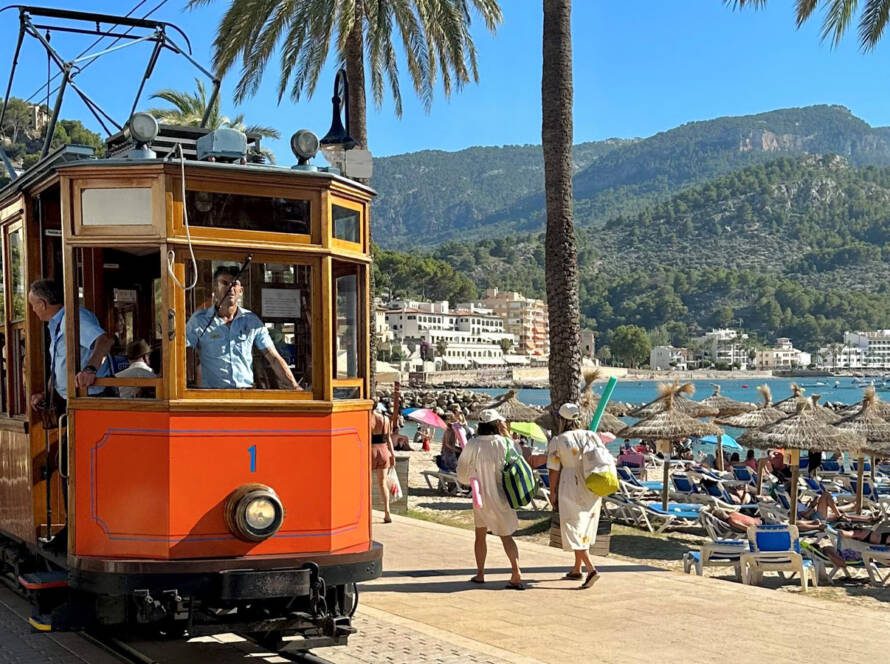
{"x":224,"y":335}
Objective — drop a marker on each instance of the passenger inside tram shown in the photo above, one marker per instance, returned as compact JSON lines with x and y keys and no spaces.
{"x":228,"y":344}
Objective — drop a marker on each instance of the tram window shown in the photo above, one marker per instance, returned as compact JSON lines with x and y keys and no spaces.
{"x":244,"y":212}
{"x":269,"y":348}
{"x":346,"y":224}
{"x":348,"y":338}
{"x":17,"y":272}
{"x":118,"y":287}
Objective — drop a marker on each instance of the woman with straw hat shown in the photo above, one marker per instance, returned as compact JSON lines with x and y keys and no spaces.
{"x":578,"y":507}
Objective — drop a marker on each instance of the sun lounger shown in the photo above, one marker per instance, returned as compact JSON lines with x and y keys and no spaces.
{"x":775,"y":548}
{"x":827,"y":568}
{"x":445,"y":481}
{"x":650,"y":515}
{"x":725,"y":547}
{"x":625,"y":475}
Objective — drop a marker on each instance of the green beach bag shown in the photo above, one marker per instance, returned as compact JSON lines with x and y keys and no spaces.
{"x":518,"y":479}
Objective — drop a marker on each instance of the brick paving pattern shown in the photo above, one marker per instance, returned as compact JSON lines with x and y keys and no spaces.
{"x":379,"y":640}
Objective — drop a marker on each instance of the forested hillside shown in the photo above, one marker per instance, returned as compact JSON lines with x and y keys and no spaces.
{"x":23,"y":143}
{"x":492,"y":192}
{"x":796,"y":247}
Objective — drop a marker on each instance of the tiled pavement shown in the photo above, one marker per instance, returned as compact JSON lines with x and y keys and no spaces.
{"x":634,"y":614}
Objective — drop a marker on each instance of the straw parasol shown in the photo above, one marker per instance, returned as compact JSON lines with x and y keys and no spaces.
{"x":873,"y":428}
{"x":802,"y":430}
{"x":588,"y":404}
{"x":669,"y":425}
{"x":726,"y":406}
{"x":680,"y":402}
{"x":510,"y":408}
{"x":788,"y":405}
{"x":764,"y":414}
{"x":823,"y":413}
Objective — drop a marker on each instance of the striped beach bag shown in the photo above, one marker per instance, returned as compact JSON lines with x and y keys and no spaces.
{"x":518,"y":480}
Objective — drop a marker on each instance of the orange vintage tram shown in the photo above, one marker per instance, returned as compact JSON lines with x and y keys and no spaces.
{"x":191,"y":503}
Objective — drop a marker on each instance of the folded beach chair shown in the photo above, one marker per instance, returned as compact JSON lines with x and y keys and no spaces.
{"x":775,"y":548}
{"x":446,"y":481}
{"x":745,"y":474}
{"x":725,"y":547}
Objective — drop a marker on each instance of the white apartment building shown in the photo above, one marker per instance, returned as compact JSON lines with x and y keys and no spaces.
{"x":724,"y":346}
{"x":668,"y":358}
{"x":471,"y":337}
{"x":837,"y":356}
{"x":875,"y":347}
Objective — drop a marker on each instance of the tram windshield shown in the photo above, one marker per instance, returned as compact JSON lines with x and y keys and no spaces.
{"x":248,"y":326}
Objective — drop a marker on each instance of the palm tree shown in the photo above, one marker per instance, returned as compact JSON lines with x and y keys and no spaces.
{"x":435,"y":35}
{"x":838,"y":15}
{"x":564,"y":367}
{"x":189,"y":108}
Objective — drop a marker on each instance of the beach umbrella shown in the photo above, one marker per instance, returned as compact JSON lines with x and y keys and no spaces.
{"x":788,"y":405}
{"x":725,"y":440}
{"x":428,"y":417}
{"x":802,"y":430}
{"x":510,"y":408}
{"x":873,"y":428}
{"x":823,"y":413}
{"x":669,"y":425}
{"x":680,"y":403}
{"x":764,"y":414}
{"x":529,"y":429}
{"x":755,"y":419}
{"x":725,"y":406}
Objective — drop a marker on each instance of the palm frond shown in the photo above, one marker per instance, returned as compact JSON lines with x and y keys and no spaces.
{"x":872,"y":23}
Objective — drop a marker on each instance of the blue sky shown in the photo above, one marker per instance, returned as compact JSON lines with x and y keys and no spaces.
{"x":640,"y":68}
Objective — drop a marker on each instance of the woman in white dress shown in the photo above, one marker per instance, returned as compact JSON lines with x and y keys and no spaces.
{"x":579,"y":508}
{"x":483,"y":459}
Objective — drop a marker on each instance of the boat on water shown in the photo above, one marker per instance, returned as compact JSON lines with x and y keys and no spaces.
{"x":818,"y":383}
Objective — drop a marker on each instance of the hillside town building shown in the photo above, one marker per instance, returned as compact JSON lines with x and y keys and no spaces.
{"x":525,"y":318}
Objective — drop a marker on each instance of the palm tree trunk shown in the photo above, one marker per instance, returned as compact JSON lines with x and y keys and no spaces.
{"x":355,"y":72}
{"x":561,"y":252}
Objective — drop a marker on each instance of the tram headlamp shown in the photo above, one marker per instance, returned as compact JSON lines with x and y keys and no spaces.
{"x":304,"y":145}
{"x":144,"y":127}
{"x":254,"y":512}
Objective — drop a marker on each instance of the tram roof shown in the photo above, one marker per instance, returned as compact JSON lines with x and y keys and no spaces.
{"x":73,"y":157}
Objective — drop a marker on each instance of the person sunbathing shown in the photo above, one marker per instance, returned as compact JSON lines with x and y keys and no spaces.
{"x":824,"y":508}
{"x":878,"y":534}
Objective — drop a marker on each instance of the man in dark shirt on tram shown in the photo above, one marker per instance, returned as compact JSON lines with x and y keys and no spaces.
{"x":224,"y":334}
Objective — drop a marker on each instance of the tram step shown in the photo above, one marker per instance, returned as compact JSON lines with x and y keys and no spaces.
{"x":44,"y":580}
{"x":41,"y":622}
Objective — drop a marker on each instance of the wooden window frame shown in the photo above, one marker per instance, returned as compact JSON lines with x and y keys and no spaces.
{"x":179,"y":389}
{"x":214,"y":185}
{"x":355,"y":206}
{"x":153,"y":231}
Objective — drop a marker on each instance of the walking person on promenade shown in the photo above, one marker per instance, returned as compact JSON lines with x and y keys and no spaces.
{"x":483,"y":460}
{"x":383,"y":456}
{"x":578,"y":507}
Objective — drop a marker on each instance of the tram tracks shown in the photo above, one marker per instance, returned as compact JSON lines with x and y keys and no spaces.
{"x":105,"y":648}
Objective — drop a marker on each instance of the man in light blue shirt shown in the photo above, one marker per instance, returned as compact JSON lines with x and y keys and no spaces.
{"x":224,"y":336}
{"x":46,"y":302}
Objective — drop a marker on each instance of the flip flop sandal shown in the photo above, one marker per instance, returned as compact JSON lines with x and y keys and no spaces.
{"x":475,"y":580}
{"x":515,"y":586}
{"x":573,"y":576}
{"x":592,"y":578}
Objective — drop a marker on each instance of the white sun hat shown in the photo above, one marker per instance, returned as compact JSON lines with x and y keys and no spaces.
{"x":569,"y":411}
{"x":490,"y":415}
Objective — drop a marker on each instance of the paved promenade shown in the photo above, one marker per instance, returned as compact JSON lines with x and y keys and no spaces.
{"x":634,"y":614}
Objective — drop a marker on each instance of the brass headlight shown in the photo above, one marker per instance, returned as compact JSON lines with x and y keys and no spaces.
{"x":254,"y":512}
